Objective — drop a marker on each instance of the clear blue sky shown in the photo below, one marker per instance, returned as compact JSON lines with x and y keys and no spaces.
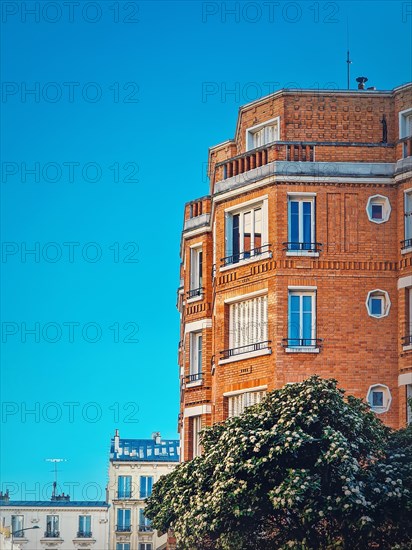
{"x":133,"y":91}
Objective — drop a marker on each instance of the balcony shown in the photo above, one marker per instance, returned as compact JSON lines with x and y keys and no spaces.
{"x":406,"y":245}
{"x":194,"y":377}
{"x":124,"y":494}
{"x":250,"y":348}
{"x":52,"y":534}
{"x":84,"y":534}
{"x":194,"y":293}
{"x":123,"y":529}
{"x":304,"y":345}
{"x":145,"y":528}
{"x":302,"y":249}
{"x":407,"y":340}
{"x":253,"y":254}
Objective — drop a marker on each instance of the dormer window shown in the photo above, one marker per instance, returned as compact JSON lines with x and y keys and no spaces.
{"x":262,"y":134}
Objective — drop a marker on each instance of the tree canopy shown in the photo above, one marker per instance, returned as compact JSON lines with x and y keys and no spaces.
{"x":307,"y":468}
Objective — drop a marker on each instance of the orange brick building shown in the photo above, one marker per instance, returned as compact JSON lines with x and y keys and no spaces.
{"x":299,"y":261}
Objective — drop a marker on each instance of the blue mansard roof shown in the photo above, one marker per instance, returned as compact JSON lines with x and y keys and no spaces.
{"x":145,"y":450}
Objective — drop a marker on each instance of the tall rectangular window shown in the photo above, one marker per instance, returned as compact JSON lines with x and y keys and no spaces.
{"x":85,"y":526}
{"x":262,"y":134}
{"x":195,"y":356}
{"x":52,"y":526}
{"x":248,"y":325}
{"x":196,"y":425}
{"x":408,"y":219}
{"x":17,"y":525}
{"x":301,"y":224}
{"x":123,"y":519}
{"x":124,"y":486}
{"x":123,"y":546}
{"x":245,"y":234}
{"x":409,"y":404}
{"x":146,"y":484}
{"x":196,"y":272}
{"x":301,"y":319}
{"x":144,"y":522}
{"x":145,"y":546}
{"x":238,"y":403}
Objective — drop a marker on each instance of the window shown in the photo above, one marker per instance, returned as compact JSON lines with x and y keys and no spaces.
{"x":145,"y":546}
{"x":405,"y":129}
{"x":52,"y":526}
{"x":379,"y":398}
{"x":196,"y":422}
{"x":17,"y":526}
{"x":301,"y":319}
{"x":195,"y":357}
{"x":146,"y":484}
{"x":378,"y":303}
{"x":196,"y":269}
{"x":238,"y":403}
{"x":301,"y":224}
{"x":409,"y":403}
{"x":85,"y":526}
{"x":262,"y":134}
{"x":122,"y":546}
{"x":123,"y":519}
{"x":245,"y":234}
{"x":407,"y":243}
{"x":248,"y":325}
{"x":407,"y":338}
{"x":144,"y":523}
{"x":124,"y":486}
{"x":378,"y":209}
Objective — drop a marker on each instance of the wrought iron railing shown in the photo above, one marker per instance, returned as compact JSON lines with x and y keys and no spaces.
{"x":145,"y":528}
{"x":84,"y":534}
{"x":52,"y":534}
{"x":302,"y":247}
{"x":226,"y":353}
{"x":407,"y":340}
{"x":302,"y":342}
{"x":245,"y":255}
{"x":407,"y":243}
{"x":195,"y":292}
{"x":124,"y":494}
{"x":123,"y":528}
{"x":194,"y":377}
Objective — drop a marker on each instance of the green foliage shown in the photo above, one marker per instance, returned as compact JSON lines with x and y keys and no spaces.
{"x":305,"y":469}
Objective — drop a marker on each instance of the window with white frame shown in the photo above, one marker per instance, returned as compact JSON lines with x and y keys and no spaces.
{"x":302,"y":319}
{"x":196,"y":272}
{"x":85,"y":526}
{"x":146,"y":485}
{"x":379,"y":398}
{"x":405,"y":123}
{"x":238,"y":403}
{"x":196,"y":427}
{"x":301,"y":224}
{"x":408,"y":219}
{"x":378,"y":209}
{"x":262,"y":134}
{"x":195,"y":367}
{"x":124,"y":486}
{"x":248,"y":325}
{"x":52,"y":526}
{"x":123,"y":519}
{"x":144,"y":523}
{"x":245,"y":233}
{"x":123,"y":546}
{"x":378,"y":303}
{"x":407,"y":337}
{"x":17,"y":526}
{"x":409,"y":403}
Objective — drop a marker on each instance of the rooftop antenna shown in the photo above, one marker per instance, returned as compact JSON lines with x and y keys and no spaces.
{"x":55,"y":470}
{"x":348,"y":60}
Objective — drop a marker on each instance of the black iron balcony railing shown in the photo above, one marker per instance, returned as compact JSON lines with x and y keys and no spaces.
{"x":302,"y":247}
{"x":247,"y":254}
{"x":53,"y":534}
{"x":195,"y":292}
{"x":18,"y":534}
{"x":407,"y":243}
{"x":226,"y":353}
{"x":124,"y":494}
{"x":123,"y":528}
{"x":84,"y":534}
{"x":145,"y":528}
{"x":302,"y":342}
{"x":407,"y":340}
{"x":194,"y":377}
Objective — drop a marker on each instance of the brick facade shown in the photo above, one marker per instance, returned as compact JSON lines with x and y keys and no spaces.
{"x":334,"y":149}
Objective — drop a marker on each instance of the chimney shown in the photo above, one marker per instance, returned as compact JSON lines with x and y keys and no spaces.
{"x":116,"y":441}
{"x":361,"y":82}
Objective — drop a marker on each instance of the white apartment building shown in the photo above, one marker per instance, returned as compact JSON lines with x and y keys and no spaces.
{"x":135,"y":465}
{"x":55,"y":524}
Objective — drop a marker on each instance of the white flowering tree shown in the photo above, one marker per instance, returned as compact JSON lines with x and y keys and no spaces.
{"x":304,"y":469}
